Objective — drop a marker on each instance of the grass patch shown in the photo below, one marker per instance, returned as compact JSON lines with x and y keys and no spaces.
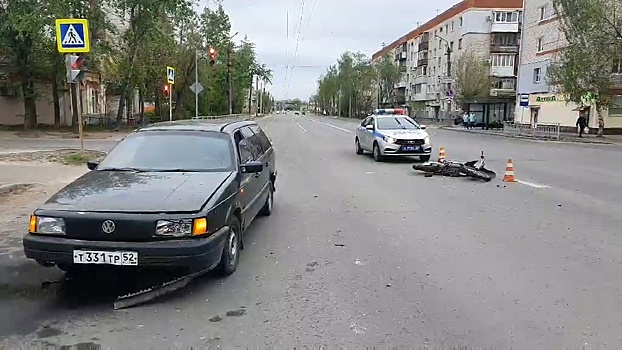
{"x":77,"y":158}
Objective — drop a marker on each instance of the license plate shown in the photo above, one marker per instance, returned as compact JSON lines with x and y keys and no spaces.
{"x":105,"y":258}
{"x":410,"y":148}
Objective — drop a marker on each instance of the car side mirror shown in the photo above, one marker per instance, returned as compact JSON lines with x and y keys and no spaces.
{"x":369,"y":127}
{"x":422,"y":127}
{"x":92,"y":164}
{"x":252,"y":167}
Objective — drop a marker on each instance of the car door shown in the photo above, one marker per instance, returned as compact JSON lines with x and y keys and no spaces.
{"x":269,"y":157}
{"x":248,"y":187}
{"x":259,"y":181}
{"x":361,"y":133}
{"x":369,"y":135}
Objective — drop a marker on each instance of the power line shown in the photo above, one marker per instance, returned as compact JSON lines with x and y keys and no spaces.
{"x":298,"y":39}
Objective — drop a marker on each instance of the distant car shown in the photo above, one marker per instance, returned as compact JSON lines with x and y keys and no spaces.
{"x":297,"y":113}
{"x":177,"y":194}
{"x":388,"y":132}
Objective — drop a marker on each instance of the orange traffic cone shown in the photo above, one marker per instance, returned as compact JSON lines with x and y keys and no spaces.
{"x":509,"y":172}
{"x":441,"y":154}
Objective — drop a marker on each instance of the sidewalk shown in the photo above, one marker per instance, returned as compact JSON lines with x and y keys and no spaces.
{"x":564,"y":137}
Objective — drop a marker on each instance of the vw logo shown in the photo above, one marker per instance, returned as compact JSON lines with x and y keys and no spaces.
{"x":108,"y":226}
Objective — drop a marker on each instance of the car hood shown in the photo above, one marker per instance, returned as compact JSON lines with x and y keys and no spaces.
{"x":404,"y":134}
{"x":116,"y":191}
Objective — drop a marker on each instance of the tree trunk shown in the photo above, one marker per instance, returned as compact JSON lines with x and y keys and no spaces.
{"x":30,"y":102}
{"x":157,"y":104}
{"x":56,"y":97}
{"x":141,"y":105}
{"x":601,"y":122}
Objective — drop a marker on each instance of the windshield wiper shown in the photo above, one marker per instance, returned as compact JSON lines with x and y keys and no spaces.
{"x":177,"y":171}
{"x":128,"y":169}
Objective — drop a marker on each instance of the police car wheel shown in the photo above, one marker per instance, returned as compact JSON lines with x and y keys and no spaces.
{"x":357,"y":144}
{"x":376,"y":151}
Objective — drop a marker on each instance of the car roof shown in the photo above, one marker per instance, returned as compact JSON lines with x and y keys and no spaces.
{"x":389,"y":115}
{"x":219,"y":125}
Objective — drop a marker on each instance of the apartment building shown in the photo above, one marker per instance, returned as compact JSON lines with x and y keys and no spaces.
{"x":489,"y":28}
{"x":542,"y":41}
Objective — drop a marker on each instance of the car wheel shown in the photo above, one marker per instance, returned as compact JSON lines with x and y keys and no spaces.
{"x":357,"y":144}
{"x":376,"y":151}
{"x":267,"y":207}
{"x":424,"y":158}
{"x":231,"y":252}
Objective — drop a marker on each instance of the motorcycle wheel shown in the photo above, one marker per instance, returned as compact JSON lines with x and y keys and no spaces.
{"x":476,"y":174}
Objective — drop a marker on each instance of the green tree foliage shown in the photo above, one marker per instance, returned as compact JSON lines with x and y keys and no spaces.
{"x":387,"y":75}
{"x":132,"y":42}
{"x":346,"y":88}
{"x":472,"y":77}
{"x":582,"y":70}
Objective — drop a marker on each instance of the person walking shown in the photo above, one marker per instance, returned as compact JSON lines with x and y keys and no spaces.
{"x":471,"y":120}
{"x":465,"y":120}
{"x":581,"y":124}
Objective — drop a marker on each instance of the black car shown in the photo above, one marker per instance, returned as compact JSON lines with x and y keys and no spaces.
{"x":178,"y":194}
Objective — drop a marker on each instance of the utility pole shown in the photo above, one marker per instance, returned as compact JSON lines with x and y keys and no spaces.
{"x":256,"y":96}
{"x":196,"y":82}
{"x":229,"y":79}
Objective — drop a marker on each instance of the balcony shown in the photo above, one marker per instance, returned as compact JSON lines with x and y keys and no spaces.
{"x":505,"y":27}
{"x":503,"y":48}
{"x":401,"y":84}
{"x":423,"y":46}
{"x":503,"y":92}
{"x":422,"y":62}
{"x":496,"y":71}
{"x":401,"y":56}
{"x":424,"y":96}
{"x":616,"y":80}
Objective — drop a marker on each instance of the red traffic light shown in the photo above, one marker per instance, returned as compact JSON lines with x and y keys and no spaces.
{"x":166,"y":90}
{"x":212,"y":56}
{"x":212,"y":51}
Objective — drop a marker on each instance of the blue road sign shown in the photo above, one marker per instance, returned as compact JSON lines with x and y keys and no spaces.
{"x":170,"y":75}
{"x":72,"y":35}
{"x":524,"y":100}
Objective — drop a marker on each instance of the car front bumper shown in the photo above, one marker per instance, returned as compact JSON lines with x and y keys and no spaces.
{"x":391,"y":149}
{"x":197,"y":252}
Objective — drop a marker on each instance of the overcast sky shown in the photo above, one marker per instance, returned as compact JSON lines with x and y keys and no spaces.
{"x":329,"y":27}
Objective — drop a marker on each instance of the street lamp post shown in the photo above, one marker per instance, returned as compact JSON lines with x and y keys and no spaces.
{"x":448,"y":53}
{"x":229,"y":77}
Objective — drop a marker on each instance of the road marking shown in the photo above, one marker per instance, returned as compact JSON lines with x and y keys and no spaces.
{"x":297,"y":123}
{"x":531,"y":184}
{"x":332,"y":126}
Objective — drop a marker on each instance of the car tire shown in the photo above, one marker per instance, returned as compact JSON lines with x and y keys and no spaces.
{"x":376,"y":153}
{"x":231,"y":251}
{"x":424,"y":158}
{"x":269,"y":205}
{"x":357,"y":145}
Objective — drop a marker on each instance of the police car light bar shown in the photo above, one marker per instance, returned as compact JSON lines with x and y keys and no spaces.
{"x":389,"y":111}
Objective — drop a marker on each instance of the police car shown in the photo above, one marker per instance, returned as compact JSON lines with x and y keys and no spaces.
{"x":389,"y":133}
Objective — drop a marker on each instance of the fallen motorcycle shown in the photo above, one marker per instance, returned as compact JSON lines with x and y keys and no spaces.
{"x":475,"y":169}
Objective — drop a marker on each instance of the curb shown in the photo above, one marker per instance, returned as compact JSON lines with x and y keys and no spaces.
{"x":9,"y":188}
{"x":561,"y":140}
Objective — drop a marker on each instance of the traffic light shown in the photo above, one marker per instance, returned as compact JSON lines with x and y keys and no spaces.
{"x":75,"y":67}
{"x":212,"y":56}
{"x":166,"y":89}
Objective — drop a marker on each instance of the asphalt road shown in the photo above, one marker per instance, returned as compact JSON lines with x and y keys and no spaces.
{"x":362,"y":253}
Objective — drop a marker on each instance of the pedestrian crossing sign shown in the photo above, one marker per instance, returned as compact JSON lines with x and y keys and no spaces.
{"x":170,"y":75}
{"x":72,"y":35}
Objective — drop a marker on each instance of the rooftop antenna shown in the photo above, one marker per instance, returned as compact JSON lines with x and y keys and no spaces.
{"x":437,"y":12}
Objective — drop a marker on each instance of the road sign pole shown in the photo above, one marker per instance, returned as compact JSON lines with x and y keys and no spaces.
{"x":170,"y":101}
{"x":196,"y":81}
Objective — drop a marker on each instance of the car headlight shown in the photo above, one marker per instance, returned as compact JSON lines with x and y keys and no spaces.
{"x":47,"y":225}
{"x":389,"y":139}
{"x":181,"y":227}
{"x":426,"y":140}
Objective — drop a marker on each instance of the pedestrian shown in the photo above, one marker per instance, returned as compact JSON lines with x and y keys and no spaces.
{"x":465,"y":120}
{"x":581,"y":124}
{"x":471,"y":120}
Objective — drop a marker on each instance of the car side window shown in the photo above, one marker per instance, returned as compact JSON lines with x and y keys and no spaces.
{"x":261,"y":137}
{"x":253,"y":142}
{"x":372,"y":122}
{"x":365,"y":121}
{"x":244,"y":150}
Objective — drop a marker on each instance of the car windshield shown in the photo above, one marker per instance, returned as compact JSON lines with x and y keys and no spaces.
{"x":397,"y":122}
{"x":171,"y":151}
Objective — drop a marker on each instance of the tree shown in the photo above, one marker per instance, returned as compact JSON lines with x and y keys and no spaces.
{"x":582,"y":69}
{"x":387,"y":75}
{"x":472,"y":77}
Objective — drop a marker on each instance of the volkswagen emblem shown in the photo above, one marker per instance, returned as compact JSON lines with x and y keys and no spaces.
{"x":108,"y":226}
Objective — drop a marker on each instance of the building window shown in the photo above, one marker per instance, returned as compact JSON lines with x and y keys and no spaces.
{"x":537,"y":75}
{"x":459,"y":44}
{"x":616,"y":106}
{"x":617,"y":66}
{"x":502,"y":60}
{"x":504,"y":84}
{"x":540,"y":44}
{"x":446,"y":28}
{"x":506,"y":17}
{"x":460,"y":21}
{"x":452,"y":26}
{"x":542,"y":13}
{"x":451,"y":46}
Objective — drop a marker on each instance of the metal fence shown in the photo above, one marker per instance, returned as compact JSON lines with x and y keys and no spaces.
{"x":541,"y":131}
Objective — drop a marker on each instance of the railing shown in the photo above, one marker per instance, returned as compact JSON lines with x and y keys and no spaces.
{"x":543,"y":131}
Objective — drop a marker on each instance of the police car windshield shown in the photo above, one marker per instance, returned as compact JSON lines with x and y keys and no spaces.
{"x":396,"y":123}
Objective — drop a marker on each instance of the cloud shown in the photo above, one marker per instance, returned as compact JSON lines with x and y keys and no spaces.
{"x":329,"y":28}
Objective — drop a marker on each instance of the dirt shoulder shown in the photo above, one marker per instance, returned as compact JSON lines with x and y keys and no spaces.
{"x":62,"y":134}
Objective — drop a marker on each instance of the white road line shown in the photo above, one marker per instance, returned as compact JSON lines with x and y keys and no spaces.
{"x":531,"y":184}
{"x":332,"y":126}
{"x":303,"y":129}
